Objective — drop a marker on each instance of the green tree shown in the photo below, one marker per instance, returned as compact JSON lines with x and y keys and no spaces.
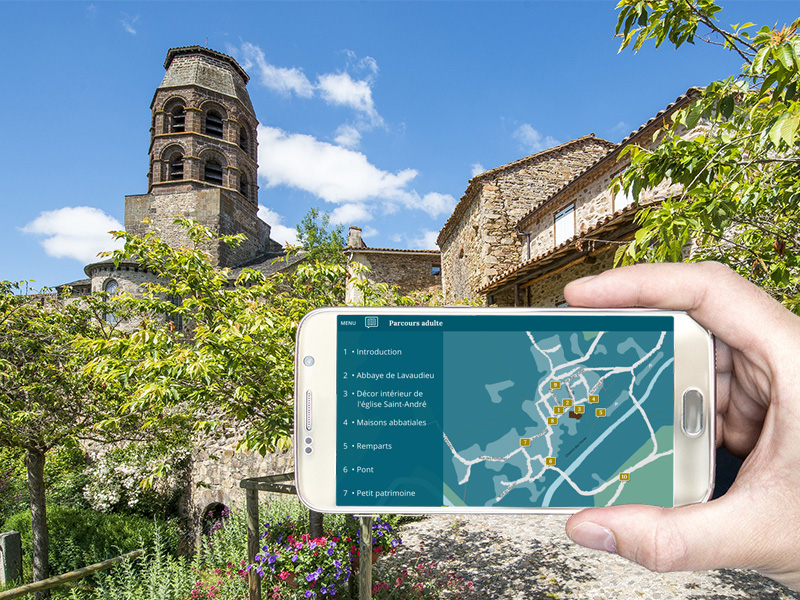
{"x":321,"y":241}
{"x":45,"y":400}
{"x":741,"y":177}
{"x":203,"y":353}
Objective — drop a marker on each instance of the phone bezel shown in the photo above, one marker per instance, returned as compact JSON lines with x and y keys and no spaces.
{"x":315,"y":389}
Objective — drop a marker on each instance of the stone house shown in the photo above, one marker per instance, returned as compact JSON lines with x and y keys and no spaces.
{"x":522,"y":231}
{"x":412,"y":271}
{"x":480,"y":239}
{"x":575,"y":231}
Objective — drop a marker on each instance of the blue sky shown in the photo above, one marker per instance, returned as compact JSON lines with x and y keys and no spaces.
{"x":378,"y":112}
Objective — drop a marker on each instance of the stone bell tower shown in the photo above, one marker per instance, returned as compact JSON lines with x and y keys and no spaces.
{"x":203,"y":157}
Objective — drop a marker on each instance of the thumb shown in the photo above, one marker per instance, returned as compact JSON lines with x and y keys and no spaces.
{"x":692,"y":537}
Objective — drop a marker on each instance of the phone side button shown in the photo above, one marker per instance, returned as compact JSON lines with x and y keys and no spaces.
{"x":693,"y":412}
{"x":308,"y":410}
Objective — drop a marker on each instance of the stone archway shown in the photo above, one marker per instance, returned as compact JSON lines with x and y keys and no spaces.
{"x":214,"y":517}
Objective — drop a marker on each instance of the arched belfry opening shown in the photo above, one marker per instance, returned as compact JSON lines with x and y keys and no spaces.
{"x":203,"y":151}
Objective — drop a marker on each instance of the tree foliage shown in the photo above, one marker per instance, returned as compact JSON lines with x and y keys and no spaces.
{"x":322,"y":242}
{"x":741,"y":176}
{"x":204,"y":351}
{"x":46,"y":401}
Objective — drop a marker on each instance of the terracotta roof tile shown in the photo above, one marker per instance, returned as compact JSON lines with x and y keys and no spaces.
{"x":368,"y":249}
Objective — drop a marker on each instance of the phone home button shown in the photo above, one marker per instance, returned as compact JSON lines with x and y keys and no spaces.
{"x":693,"y":412}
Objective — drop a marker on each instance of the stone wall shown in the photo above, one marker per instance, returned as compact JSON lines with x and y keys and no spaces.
{"x":220,"y":211}
{"x":593,"y":201}
{"x":128,"y":276}
{"x":216,"y":470}
{"x":412,"y":271}
{"x":549,"y":291}
{"x":480,"y":240}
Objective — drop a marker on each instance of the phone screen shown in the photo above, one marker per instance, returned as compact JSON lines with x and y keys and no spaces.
{"x":506,"y":411}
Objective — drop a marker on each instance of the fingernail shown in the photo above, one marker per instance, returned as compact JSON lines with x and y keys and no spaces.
{"x":594,"y":536}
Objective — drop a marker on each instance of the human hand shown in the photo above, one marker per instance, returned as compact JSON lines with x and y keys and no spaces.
{"x":756,"y":524}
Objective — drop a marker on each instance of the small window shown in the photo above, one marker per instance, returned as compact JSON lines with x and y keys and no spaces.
{"x":111,"y":287}
{"x":178,"y":120}
{"x":213,"y":172}
{"x":461,"y":252}
{"x":565,"y":224}
{"x":176,"y":167}
{"x":436,"y":270}
{"x":213,"y":124}
{"x":244,"y":185}
{"x":244,"y":140}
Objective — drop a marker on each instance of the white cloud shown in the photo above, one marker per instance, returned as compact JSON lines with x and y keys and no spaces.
{"x":426,"y":240}
{"x":368,"y":232}
{"x":477,"y":169}
{"x":331,"y":172}
{"x":280,"y":79}
{"x":351,"y":214}
{"x":433,"y":203}
{"x":348,"y":136}
{"x":128,"y":23}
{"x":340,"y":176}
{"x":532,"y":140}
{"x":78,"y":232}
{"x":342,"y":90}
{"x":278,"y":231}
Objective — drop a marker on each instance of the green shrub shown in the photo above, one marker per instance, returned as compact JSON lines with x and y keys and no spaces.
{"x":79,"y":537}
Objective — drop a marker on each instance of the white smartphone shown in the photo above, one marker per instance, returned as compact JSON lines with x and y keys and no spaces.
{"x":483,"y":410}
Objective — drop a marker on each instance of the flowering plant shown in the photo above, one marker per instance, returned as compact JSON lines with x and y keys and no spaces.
{"x":312,"y":567}
{"x":222,"y":584}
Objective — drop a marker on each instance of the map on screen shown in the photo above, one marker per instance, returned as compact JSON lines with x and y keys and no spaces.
{"x":511,"y":411}
{"x":557,"y":418}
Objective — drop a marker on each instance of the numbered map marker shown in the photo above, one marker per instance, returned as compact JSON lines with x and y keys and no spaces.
{"x":552,"y":420}
{"x":555,"y":385}
{"x":594,"y":399}
{"x":600,"y":412}
{"x":580,"y":409}
{"x":567,"y":402}
{"x":550,"y":461}
{"x":624,"y":476}
{"x":524,"y":441}
{"x":558,"y":410}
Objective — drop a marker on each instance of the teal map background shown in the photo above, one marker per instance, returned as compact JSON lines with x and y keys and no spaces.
{"x":497,"y":391}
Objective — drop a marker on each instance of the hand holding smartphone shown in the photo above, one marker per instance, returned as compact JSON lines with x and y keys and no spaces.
{"x":502,"y":410}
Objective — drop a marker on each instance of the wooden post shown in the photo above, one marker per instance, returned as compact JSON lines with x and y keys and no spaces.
{"x":254,"y":581}
{"x":365,"y":562}
{"x":46,"y":584}
{"x":315,"y":524}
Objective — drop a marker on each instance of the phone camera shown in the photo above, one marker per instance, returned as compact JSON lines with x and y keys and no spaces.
{"x":309,"y":450}
{"x":309,"y":440}
{"x":308,"y":361}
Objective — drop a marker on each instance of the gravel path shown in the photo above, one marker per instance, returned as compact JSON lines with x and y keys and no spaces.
{"x":522,"y":557}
